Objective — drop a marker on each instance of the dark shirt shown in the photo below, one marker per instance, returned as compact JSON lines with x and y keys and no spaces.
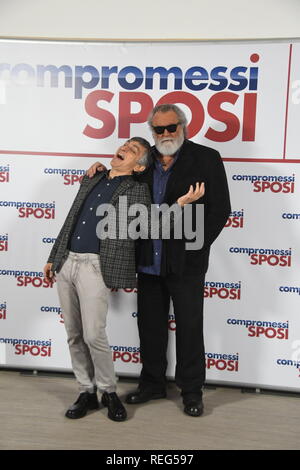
{"x":84,"y":237}
{"x":160,"y":180}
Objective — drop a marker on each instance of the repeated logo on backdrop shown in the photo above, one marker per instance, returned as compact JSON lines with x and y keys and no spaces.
{"x":291,"y":216}
{"x":4,"y":242}
{"x":236,"y":219}
{"x":29,"y":347}
{"x":37,"y":210}
{"x":222,"y":362}
{"x":264,"y":329}
{"x":223,"y":290}
{"x":68,"y":176}
{"x":266,"y":256}
{"x":27,"y":278}
{"x":126,"y":354}
{"x":233,"y":104}
{"x":3,"y":310}
{"x":289,"y":289}
{"x":53,"y":309}
{"x":283,"y":184}
{"x":4,"y":174}
{"x":292,"y":364}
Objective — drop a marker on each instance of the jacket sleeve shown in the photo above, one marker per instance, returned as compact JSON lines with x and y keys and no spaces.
{"x":60,"y":237}
{"x":217,"y":200}
{"x":65,"y":230}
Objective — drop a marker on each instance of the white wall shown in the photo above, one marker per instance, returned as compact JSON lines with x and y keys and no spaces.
{"x":158,"y":19}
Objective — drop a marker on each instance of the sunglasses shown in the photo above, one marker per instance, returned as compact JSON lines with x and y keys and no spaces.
{"x":161,"y":129}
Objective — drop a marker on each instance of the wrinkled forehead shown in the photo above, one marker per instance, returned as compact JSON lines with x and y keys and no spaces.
{"x":136,"y":147}
{"x":160,"y":118}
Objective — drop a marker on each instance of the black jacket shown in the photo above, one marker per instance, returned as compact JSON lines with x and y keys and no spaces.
{"x":195,"y":163}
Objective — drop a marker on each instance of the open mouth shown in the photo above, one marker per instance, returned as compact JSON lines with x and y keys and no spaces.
{"x":121,"y":157}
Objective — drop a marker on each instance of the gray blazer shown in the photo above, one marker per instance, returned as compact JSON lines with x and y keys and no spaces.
{"x":117,"y":256}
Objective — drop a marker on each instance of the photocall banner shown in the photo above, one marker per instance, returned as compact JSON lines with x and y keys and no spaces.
{"x":65,"y":105}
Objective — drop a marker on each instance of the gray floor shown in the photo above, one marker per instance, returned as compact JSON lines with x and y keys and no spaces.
{"x":32,"y":417}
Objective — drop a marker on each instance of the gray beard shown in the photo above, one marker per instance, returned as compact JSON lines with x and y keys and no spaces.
{"x":169,"y":147}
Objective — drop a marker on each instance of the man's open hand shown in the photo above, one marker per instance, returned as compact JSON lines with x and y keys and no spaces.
{"x":192,"y":195}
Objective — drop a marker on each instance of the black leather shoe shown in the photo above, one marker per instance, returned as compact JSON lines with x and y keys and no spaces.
{"x":142,"y":396}
{"x":116,"y":410}
{"x":193,"y":407}
{"x":85,"y":402}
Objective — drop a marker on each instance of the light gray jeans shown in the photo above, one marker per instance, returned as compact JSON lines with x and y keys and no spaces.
{"x":84,"y":301}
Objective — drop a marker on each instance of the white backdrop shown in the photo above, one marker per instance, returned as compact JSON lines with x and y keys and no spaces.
{"x":64,"y":105}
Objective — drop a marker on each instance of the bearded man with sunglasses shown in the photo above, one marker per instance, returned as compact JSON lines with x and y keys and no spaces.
{"x":177,"y":273}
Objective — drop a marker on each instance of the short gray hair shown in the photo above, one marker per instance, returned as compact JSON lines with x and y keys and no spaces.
{"x":145,"y":160}
{"x":164,"y":108}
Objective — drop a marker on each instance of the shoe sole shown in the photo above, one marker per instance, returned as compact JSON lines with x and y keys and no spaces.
{"x":116,"y":419}
{"x":196,"y":415}
{"x":82,"y":415}
{"x":154,"y":397}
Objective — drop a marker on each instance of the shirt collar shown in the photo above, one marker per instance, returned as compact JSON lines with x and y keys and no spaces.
{"x":117,"y":178}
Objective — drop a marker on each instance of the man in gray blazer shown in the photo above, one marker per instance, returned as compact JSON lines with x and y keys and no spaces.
{"x":86,"y":267}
